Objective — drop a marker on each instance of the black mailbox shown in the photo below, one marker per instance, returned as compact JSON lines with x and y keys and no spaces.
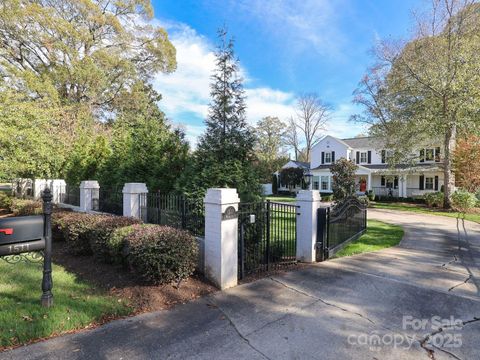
{"x":21,"y":234}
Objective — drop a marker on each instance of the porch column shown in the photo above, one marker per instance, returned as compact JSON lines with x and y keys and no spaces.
{"x":308,"y":202}
{"x":404,"y":186}
{"x":369,"y":182}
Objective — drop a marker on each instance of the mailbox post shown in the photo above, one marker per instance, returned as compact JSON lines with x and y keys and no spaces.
{"x":47,"y":282}
{"x":23,"y":237}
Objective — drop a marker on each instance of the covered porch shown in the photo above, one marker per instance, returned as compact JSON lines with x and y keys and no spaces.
{"x":407,"y":185}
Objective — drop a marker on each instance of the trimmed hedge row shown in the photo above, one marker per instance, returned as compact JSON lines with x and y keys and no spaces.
{"x":25,"y":207}
{"x":158,"y":254}
{"x":19,"y":207}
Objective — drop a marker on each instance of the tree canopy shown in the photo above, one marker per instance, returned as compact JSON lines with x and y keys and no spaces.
{"x":343,"y":176}
{"x":76,"y":100}
{"x":225,"y":152}
{"x":269,"y":144}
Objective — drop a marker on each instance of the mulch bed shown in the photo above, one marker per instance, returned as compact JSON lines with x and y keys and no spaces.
{"x":121,"y":283}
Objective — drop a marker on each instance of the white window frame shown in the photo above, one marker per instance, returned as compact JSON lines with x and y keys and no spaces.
{"x":322,"y":178}
{"x":425,"y":183}
{"x":363,"y":157}
{"x":316,"y":184}
{"x":434,"y":152}
{"x":329,"y":161}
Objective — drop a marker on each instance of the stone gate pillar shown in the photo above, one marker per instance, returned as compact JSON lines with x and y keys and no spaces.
{"x":89,"y":194}
{"x":308,"y":202}
{"x":221,"y":237}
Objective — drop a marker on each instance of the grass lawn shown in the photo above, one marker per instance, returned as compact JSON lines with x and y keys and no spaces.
{"x":379,"y":235}
{"x":278,"y":198}
{"x":475,"y":217}
{"x":76,"y":304}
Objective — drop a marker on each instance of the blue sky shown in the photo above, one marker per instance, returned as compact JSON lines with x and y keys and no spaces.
{"x":285,"y":48}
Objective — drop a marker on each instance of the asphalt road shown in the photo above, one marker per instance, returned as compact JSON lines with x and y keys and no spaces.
{"x":419,"y":300}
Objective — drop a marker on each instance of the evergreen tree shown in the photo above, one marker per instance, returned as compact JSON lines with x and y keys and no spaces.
{"x":224,"y":156}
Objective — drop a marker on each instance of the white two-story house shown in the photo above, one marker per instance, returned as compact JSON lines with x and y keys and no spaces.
{"x":373,"y":172}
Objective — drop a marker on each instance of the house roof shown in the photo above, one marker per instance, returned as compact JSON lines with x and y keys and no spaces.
{"x":323,"y":167}
{"x":364,"y":142}
{"x":305,"y":165}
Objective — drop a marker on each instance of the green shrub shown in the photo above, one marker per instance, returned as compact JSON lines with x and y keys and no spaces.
{"x":161,"y":254}
{"x":371,"y":195}
{"x":116,"y":243}
{"x":25,"y":207}
{"x":463,"y":201}
{"x":75,"y":228}
{"x":99,"y":235}
{"x":57,"y":216}
{"x":5,"y":201}
{"x":434,"y":199}
{"x":327,"y":198}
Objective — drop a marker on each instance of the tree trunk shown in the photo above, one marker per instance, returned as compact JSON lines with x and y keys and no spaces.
{"x":449,"y":177}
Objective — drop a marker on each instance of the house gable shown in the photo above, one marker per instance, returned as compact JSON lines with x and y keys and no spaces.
{"x":329,"y":144}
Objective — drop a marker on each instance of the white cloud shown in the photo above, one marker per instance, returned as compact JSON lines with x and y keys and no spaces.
{"x":187,"y":89}
{"x":186,"y":92}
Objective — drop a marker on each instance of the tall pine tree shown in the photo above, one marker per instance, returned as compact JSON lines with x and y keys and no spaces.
{"x":224,"y":155}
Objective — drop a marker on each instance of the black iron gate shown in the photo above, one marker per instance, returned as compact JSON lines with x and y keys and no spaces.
{"x":267,"y":237}
{"x":340,"y":225}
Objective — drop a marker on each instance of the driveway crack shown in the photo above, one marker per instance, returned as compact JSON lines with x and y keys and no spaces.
{"x":232,"y":324}
{"x":431,"y":352}
{"x":462,"y":283}
{"x":455,"y":259}
{"x":318,"y":299}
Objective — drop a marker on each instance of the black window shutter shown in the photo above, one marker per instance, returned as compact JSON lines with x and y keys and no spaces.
{"x":395,"y":182}
{"x":323,"y":157}
{"x":436,"y":183}
{"x":383,"y":156}
{"x":422,"y":155}
{"x":358,"y":157}
{"x":369,"y":157}
{"x":383,"y":181}
{"x":437,"y":154}
{"x":421,"y":182}
{"x":333,"y":157}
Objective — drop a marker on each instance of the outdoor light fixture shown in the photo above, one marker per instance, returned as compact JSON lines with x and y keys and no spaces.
{"x":307,"y":177}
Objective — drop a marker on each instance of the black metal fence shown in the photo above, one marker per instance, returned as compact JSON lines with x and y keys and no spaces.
{"x":69,"y":194}
{"x":108,"y":201}
{"x":173,"y":210}
{"x":267,"y":237}
{"x":340,"y":225}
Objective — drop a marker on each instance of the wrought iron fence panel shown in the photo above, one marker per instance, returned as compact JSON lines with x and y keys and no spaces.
{"x":340,"y":225}
{"x":173,"y":210}
{"x":107,"y":201}
{"x":267,"y":237}
{"x":69,"y":194}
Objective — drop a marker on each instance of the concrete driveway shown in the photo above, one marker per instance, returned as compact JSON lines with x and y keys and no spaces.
{"x":419,"y":300}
